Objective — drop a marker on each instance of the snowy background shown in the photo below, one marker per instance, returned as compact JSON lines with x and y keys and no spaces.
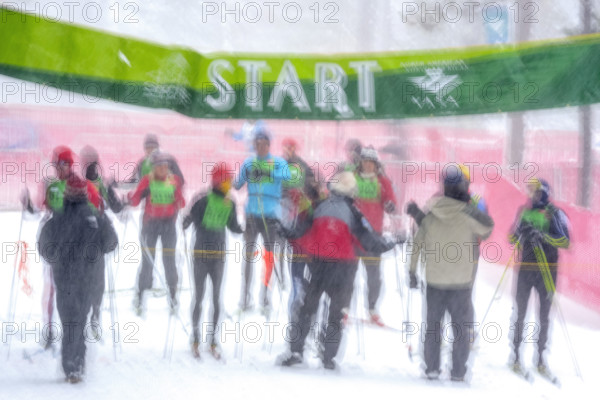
{"x":374,"y":361}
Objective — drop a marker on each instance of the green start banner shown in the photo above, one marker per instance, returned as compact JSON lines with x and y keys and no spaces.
{"x":458,"y":81}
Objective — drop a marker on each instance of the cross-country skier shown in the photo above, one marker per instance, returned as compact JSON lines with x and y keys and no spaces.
{"x":540,"y":230}
{"x":330,"y":245}
{"x":211,"y":214}
{"x":62,"y":160}
{"x":299,"y":195}
{"x":162,"y":191}
{"x":71,"y":242}
{"x":375,"y":197}
{"x":451,"y":223}
{"x":352,"y":149}
{"x":91,"y":170}
{"x":264,"y":174}
{"x":144,"y":166}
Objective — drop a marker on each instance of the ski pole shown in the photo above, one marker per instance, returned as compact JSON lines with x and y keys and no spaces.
{"x":398,"y":280}
{"x":497,"y":289}
{"x":113,"y":307}
{"x":549,"y":283}
{"x":410,"y":351}
{"x":12,"y":304}
{"x":162,"y":281}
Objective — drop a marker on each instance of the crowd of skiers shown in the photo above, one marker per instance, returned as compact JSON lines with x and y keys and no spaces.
{"x":329,"y":230}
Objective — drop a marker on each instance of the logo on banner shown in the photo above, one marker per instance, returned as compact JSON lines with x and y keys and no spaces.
{"x":436,"y":87}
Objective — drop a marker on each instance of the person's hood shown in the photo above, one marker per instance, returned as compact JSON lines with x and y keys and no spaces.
{"x":446,"y":207}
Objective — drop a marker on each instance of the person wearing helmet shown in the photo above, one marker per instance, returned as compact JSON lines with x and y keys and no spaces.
{"x":211,"y":215}
{"x":263,"y":174}
{"x":375,"y":197}
{"x":540,"y":230}
{"x":329,"y":245}
{"x":161,"y":190}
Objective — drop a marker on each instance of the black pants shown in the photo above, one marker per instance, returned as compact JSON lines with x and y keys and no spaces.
{"x":526,"y":280}
{"x":337,"y":280}
{"x":73,"y":300}
{"x":299,"y":284}
{"x":98,"y":287}
{"x":152,"y":229}
{"x":372,"y":263}
{"x":458,"y":303}
{"x":255,"y":225}
{"x":203,"y":268}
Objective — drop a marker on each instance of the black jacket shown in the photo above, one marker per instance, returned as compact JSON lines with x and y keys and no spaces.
{"x":73,"y":241}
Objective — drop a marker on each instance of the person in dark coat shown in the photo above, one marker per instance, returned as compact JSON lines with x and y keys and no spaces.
{"x":72,"y":242}
{"x":540,"y":230}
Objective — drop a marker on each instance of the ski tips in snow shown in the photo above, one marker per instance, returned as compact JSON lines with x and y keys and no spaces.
{"x":518,"y":369}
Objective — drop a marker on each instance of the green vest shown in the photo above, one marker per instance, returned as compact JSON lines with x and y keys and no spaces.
{"x":265,"y":165}
{"x":297,"y":177}
{"x":55,"y":194}
{"x":368,"y":188}
{"x":146,"y":167}
{"x":162,"y":192}
{"x":217,"y":212}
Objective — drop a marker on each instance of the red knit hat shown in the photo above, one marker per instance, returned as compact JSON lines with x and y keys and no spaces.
{"x":289,"y":142}
{"x":221,"y":174}
{"x":76,"y":188}
{"x":62,"y":154}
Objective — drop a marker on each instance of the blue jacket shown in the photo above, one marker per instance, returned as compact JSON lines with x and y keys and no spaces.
{"x":264,"y":187}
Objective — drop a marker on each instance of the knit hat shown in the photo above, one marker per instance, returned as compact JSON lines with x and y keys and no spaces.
{"x":456,"y":185}
{"x":220,"y":174}
{"x":261,"y":131}
{"x":344,"y":183}
{"x":76,"y":189}
{"x":151,"y":140}
{"x":62,"y":154}
{"x":453,"y":175}
{"x":289,"y":142}
{"x":88,"y":155}
{"x":370,"y":154}
{"x":159,"y":157}
{"x":353,"y":145}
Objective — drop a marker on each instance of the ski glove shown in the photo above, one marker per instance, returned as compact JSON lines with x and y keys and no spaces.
{"x":389,"y":207}
{"x":414,"y":211}
{"x":531,"y":235}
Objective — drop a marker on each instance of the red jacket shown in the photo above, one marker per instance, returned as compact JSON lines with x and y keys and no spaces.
{"x":338,"y":228}
{"x":374,"y":207}
{"x":156,"y":207}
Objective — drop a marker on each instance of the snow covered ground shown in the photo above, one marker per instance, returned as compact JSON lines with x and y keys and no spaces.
{"x":380,"y":367}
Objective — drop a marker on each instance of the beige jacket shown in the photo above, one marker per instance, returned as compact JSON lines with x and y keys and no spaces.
{"x":448,"y":241}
